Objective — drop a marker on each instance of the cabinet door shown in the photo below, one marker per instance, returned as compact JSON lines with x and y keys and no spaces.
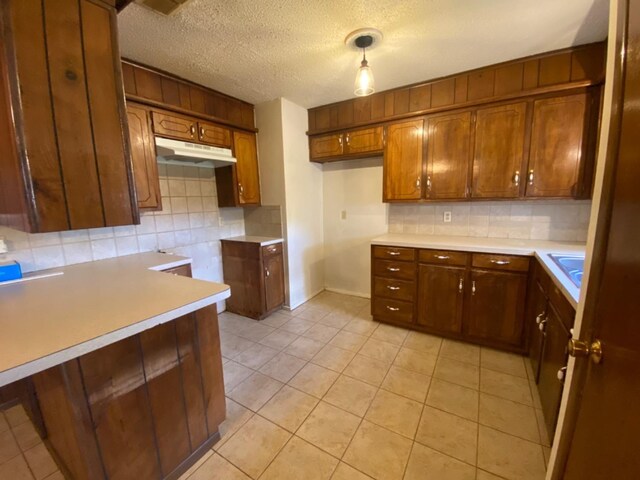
{"x":326,"y":146}
{"x":495,"y":310}
{"x":448,"y":155}
{"x":403,"y":161}
{"x":554,"y":358}
{"x":499,"y":151}
{"x":214,"y":135}
{"x":274,"y":281}
{"x":440,"y":297}
{"x":558,"y":147}
{"x":247,"y":168}
{"x":536,"y":314}
{"x":172,"y":126}
{"x":143,"y":157}
{"x":367,"y":140}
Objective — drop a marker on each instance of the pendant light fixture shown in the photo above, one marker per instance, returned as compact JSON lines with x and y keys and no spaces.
{"x":364,"y":39}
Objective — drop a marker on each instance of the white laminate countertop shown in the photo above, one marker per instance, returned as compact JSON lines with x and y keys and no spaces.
{"x":506,"y":246}
{"x":263,"y":241}
{"x":47,"y":321}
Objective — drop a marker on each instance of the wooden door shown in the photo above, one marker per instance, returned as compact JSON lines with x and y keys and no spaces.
{"x":495,"y":307}
{"x":274,"y":281}
{"x":247,"y":168}
{"x":554,"y":359}
{"x":173,"y":126}
{"x":367,"y":140}
{"x":448,"y":156}
{"x":403,"y":159}
{"x":326,"y":146}
{"x":143,"y":157}
{"x":214,"y":135}
{"x":558,"y":146}
{"x":499,"y":151}
{"x":603,"y":412}
{"x":440,"y":297}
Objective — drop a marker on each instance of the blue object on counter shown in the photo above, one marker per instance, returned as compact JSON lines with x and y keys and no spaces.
{"x":10,"y":271}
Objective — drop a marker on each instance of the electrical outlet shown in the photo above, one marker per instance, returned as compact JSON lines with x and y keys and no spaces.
{"x":343,"y":214}
{"x":447,"y":217}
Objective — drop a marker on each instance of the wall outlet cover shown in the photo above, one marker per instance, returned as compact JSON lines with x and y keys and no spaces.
{"x":447,"y":217}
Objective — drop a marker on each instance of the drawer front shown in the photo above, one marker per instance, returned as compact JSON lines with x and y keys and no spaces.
{"x":492,"y":261}
{"x":393,"y":310}
{"x":172,"y":126}
{"x":394,"y":289}
{"x":392,"y":269}
{"x":394,"y":253}
{"x":273,"y":249}
{"x":443,"y":257}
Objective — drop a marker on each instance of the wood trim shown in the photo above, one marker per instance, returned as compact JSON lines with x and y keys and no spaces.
{"x":584,"y":64}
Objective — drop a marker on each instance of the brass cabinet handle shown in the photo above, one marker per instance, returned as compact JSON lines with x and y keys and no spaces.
{"x":267,"y":272}
{"x":542,"y":325}
{"x":418,"y":182}
{"x":561,"y":374}
{"x":391,"y":252}
{"x":347,"y":138}
{"x":201,"y":132}
{"x":240,"y":188}
{"x":393,"y":309}
{"x":340,"y":140}
{"x":516,"y":178}
{"x":500,"y":262}
{"x":192,"y":129}
{"x":461,"y":285}
{"x":393,"y":269}
{"x":530,"y":177}
{"x":540,"y":317}
{"x":473,"y":287}
{"x":582,"y":348}
{"x":391,"y":287}
{"x":429,"y":182}
{"x":442,"y":257}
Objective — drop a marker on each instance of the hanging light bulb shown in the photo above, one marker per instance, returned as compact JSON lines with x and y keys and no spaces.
{"x":365,"y":84}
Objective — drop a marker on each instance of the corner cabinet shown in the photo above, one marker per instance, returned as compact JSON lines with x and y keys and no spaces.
{"x":65,"y":161}
{"x":239,"y":184}
{"x":475,"y":297}
{"x":255,"y":274}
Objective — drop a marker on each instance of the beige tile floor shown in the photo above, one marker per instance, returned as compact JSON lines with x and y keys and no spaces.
{"x":323,"y":392}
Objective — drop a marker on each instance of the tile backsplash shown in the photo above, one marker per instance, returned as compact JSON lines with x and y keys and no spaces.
{"x":565,"y":220}
{"x":189,"y":224}
{"x":264,"y":221}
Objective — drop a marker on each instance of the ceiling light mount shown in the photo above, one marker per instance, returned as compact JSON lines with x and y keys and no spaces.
{"x":355,"y":39}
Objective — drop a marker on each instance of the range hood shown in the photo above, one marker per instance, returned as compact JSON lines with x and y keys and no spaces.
{"x":181,"y":153}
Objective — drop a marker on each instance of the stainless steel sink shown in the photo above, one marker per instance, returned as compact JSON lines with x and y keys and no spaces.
{"x":571,"y":265}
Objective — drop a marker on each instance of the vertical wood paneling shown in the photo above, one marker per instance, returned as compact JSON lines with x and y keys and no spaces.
{"x":442,"y":93}
{"x":401,"y":102}
{"x":211,"y":364}
{"x":588,"y":63}
{"x":345,"y":114}
{"x":197,"y":100}
{"x":509,"y":79}
{"x":377,"y":106}
{"x":333,"y":115}
{"x":234,"y":110}
{"x":530,"y":74}
{"x":170,"y":91}
{"x":37,"y":116}
{"x":112,"y":156}
{"x":480,"y":85}
{"x":71,"y":112}
{"x":322,"y":118}
{"x":148,"y":84}
{"x":129,"y":80}
{"x":361,"y":110}
{"x":248,"y":115}
{"x":420,"y":98}
{"x":462,"y":86}
{"x":555,"y":69}
{"x":388,"y":104}
{"x":185,"y":96}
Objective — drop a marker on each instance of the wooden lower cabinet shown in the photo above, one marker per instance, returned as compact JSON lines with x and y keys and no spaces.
{"x":440,"y":297}
{"x":441,"y":292}
{"x":255,"y":274}
{"x":147,"y":406}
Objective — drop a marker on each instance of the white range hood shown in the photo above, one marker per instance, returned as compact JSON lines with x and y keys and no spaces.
{"x":177,"y":152}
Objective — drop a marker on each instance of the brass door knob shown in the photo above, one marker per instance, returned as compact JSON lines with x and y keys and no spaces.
{"x":582,"y":348}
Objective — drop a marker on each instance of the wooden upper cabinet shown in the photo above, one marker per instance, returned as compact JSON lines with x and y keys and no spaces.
{"x":143,"y":157}
{"x":64,"y":155}
{"x":495,"y":311}
{"x":214,"y":135}
{"x":403,"y":159}
{"x":440,"y":297}
{"x":326,"y":146}
{"x":499,"y":151}
{"x":367,"y":140}
{"x":448,"y":156}
{"x":559,"y":150}
{"x":174,"y":126}
{"x":247,"y":168}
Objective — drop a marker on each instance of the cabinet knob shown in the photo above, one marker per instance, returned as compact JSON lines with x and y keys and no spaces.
{"x":530,"y":177}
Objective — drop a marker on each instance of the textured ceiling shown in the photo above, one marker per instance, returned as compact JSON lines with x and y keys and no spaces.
{"x":258,"y":50}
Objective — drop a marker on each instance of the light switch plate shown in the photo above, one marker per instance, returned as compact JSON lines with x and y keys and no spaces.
{"x":447,"y":217}
{"x":343,"y":214}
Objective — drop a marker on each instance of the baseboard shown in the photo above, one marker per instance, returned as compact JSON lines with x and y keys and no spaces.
{"x":293,"y":307}
{"x":348,"y":292}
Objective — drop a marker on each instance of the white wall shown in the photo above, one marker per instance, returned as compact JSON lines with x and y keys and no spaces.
{"x":355,"y":188}
{"x":303,"y":209}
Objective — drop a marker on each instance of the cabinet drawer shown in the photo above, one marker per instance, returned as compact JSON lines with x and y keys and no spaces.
{"x":396,"y":289}
{"x":443,"y":257}
{"x":274,"y":249}
{"x":394,"y":253}
{"x":393,"y":310}
{"x":393,"y":269}
{"x":501,"y":262}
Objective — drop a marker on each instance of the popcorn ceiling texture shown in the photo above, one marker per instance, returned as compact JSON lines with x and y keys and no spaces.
{"x":261,"y":50}
{"x":189,"y":224}
{"x":565,"y":220}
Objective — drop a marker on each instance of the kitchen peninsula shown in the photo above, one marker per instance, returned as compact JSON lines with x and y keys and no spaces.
{"x":125,"y":358}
